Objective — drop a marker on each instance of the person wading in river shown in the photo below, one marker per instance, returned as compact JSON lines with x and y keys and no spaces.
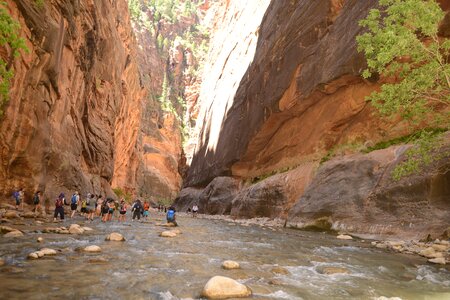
{"x":90,"y":210}
{"x":170,"y":216}
{"x":37,"y":202}
{"x":194,"y":211}
{"x":74,"y":201}
{"x":59,"y":207}
{"x":122,"y":210}
{"x":137,"y":209}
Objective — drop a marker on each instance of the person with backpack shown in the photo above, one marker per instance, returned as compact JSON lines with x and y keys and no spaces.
{"x":137,"y":208}
{"x":59,"y":207}
{"x":99,"y":205}
{"x":90,"y":210}
{"x":16,"y":197}
{"x":194,"y":210}
{"x":170,"y":216}
{"x":146,"y":209}
{"x":37,"y":201}
{"x":74,"y":203}
{"x":105,"y":210}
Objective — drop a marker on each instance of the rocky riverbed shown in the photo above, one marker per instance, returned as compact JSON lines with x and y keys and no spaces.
{"x":206,"y":256}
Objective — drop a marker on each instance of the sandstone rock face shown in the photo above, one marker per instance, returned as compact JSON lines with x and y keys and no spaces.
{"x":358,"y":194}
{"x":216,"y":198}
{"x":274,"y":196}
{"x":187,"y":198}
{"x":75,"y":112}
{"x":296,"y":91}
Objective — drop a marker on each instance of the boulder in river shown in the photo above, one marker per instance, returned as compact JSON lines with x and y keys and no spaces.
{"x":11,"y":214}
{"x":344,"y":237}
{"x":92,"y":249}
{"x":230,"y":265}
{"x":40,"y":239}
{"x":115,"y":237}
{"x":280,"y":270}
{"x":333,"y":270}
{"x":87,"y":228}
{"x":48,"y":251}
{"x":169,"y":234}
{"x":6,"y":229}
{"x":438,"y":260}
{"x":220,"y":287}
{"x":15,"y":233}
{"x":75,"y":229}
{"x":2,"y":262}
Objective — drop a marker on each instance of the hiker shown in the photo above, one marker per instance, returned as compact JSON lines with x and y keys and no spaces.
{"x":194,"y":211}
{"x":146,"y":209}
{"x":122,"y":210}
{"x":74,"y":201}
{"x":105,"y":210}
{"x":136,"y":209}
{"x":37,"y":202}
{"x":170,"y":216}
{"x":90,"y":210}
{"x":59,"y":207}
{"x":111,"y":209}
{"x":84,"y":207}
{"x":99,"y":205}
{"x":17,"y":198}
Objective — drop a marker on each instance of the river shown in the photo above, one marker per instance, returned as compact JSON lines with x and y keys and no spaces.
{"x":147,"y":266}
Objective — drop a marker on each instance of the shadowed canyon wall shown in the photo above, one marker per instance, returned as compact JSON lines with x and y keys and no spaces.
{"x":276,"y":97}
{"x":74,"y":119}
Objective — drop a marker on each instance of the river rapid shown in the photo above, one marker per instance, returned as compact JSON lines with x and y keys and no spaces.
{"x":147,"y":266}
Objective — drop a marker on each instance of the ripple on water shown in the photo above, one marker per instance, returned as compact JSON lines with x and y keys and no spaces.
{"x":427,"y":273}
{"x":279,"y":295}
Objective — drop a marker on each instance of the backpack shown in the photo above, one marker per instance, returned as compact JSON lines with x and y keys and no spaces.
{"x":74,"y":199}
{"x":59,"y":202}
{"x":88,"y":201}
{"x":36,"y":199}
{"x":16,"y":195}
{"x":170,"y":215}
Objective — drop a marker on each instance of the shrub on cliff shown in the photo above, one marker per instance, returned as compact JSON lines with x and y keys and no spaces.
{"x":402,"y":45}
{"x":9,"y":38}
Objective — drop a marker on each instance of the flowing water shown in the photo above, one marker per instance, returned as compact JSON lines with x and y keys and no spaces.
{"x":147,"y":266}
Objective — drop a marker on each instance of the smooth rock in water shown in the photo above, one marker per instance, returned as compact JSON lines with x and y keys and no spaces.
{"x":438,"y":260}
{"x":10,"y":214}
{"x":63,"y":231}
{"x":115,"y":237}
{"x":28,"y":215}
{"x":220,"y":287}
{"x":344,"y":237}
{"x":93,"y":248}
{"x":440,"y":248}
{"x":39,"y":222}
{"x":333,"y":270}
{"x":429,"y":252}
{"x":40,"y":254}
{"x":15,"y":233}
{"x":280,"y":270}
{"x":169,"y":225}
{"x":2,"y":262}
{"x":33,"y":255}
{"x":230,"y":265}
{"x":6,"y":229}
{"x":48,"y":251}
{"x":168,"y":234}
{"x":40,"y":239}
{"x":87,"y":228}
{"x":75,"y":229}
{"x":98,"y":260}
{"x":176,"y":231}
{"x":7,"y":206}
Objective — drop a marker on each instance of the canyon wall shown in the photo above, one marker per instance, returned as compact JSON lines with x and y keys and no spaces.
{"x":74,"y":119}
{"x":276,"y":102}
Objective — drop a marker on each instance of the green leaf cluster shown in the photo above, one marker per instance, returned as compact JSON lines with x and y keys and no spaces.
{"x":10,"y":38}
{"x":402,"y":45}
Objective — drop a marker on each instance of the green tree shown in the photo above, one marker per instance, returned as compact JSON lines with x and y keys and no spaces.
{"x":9,"y":36}
{"x":403,"y":47}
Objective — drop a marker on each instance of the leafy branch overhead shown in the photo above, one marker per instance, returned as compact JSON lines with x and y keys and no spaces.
{"x":402,"y":45}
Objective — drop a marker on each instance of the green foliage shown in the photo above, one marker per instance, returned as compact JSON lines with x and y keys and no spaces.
{"x":120,"y":193}
{"x":402,"y":45}
{"x":9,"y":36}
{"x":134,"y":7}
{"x":39,"y":3}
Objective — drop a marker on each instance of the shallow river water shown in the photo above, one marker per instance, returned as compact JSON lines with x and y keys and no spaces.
{"x":147,"y":266}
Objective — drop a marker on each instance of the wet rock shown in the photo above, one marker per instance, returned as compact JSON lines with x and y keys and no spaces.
{"x":40,"y":239}
{"x":169,"y":225}
{"x":12,"y":269}
{"x":11,"y":214}
{"x":87,"y":228}
{"x":176,"y":231}
{"x":276,"y":282}
{"x":333,"y":270}
{"x":2,"y":262}
{"x":117,"y":237}
{"x":429,"y":252}
{"x":220,"y":287}
{"x":92,"y":249}
{"x":33,"y":255}
{"x":438,"y":260}
{"x":13,"y":234}
{"x":230,"y":265}
{"x":344,"y":237}
{"x":28,"y":215}
{"x":98,"y":260}
{"x":280,"y":270}
{"x":39,"y":222}
{"x":75,"y":229}
{"x":48,"y":251}
{"x":440,"y":248}
{"x":6,"y":229}
{"x":319,"y":224}
{"x":169,"y":234}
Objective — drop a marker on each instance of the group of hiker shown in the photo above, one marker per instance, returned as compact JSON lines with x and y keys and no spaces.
{"x":94,"y":205}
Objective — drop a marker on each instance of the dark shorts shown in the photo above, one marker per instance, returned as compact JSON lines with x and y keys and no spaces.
{"x":59,"y":211}
{"x":73,"y":206}
{"x":84,"y":210}
{"x":111,"y":211}
{"x":123,"y":212}
{"x":17,"y":201}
